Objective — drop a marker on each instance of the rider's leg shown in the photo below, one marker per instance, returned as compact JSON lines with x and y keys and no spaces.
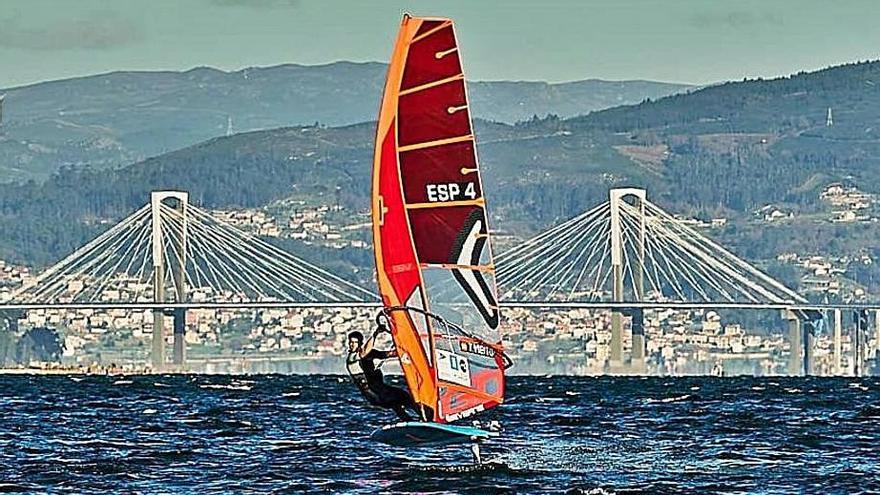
{"x":395,"y":399}
{"x":401,"y":412}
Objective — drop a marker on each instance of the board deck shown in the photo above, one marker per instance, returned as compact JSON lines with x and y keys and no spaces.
{"x":418,"y":434}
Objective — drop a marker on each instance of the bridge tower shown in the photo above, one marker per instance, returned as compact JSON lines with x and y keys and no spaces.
{"x":803,"y":325}
{"x":810,"y":327}
{"x":838,"y":338}
{"x":876,"y":365}
{"x":617,"y":196}
{"x":860,"y":329}
{"x":174,"y":259}
{"x":795,"y":361}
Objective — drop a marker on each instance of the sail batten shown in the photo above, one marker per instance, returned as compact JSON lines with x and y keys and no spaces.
{"x":446,"y":204}
{"x":431,"y":239}
{"x":457,"y":77}
{"x":431,"y":30}
{"x":436,"y":142}
{"x":449,"y":266}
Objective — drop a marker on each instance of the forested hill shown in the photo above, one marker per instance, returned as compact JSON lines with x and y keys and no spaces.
{"x":735,"y":147}
{"x":781,"y":105}
{"x":111,"y":120}
{"x":721,"y":151}
{"x":41,"y":221}
{"x":745,"y":144}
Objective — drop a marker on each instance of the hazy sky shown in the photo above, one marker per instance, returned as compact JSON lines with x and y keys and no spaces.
{"x":695,"y":41}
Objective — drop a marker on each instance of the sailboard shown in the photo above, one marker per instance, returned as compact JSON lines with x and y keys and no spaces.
{"x":411,"y":433}
{"x":431,"y":239}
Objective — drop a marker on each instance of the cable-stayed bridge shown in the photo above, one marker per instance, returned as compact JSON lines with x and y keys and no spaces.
{"x":179,"y":254}
{"x":628,"y":255}
{"x":633,"y":252}
{"x":624,"y":255}
{"x":171,"y":255}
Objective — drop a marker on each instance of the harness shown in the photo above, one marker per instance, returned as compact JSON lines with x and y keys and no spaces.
{"x":353,"y":364}
{"x":359,"y":377}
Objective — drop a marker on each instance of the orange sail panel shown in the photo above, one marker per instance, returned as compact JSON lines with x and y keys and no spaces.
{"x":430,"y":235}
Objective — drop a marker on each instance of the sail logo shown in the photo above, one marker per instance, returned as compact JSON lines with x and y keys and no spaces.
{"x":468,"y":250}
{"x":453,"y":368}
{"x":450,"y":191}
{"x":477,"y":348}
{"x":465,"y":413}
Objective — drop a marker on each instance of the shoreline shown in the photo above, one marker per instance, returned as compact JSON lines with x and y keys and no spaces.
{"x":74,"y":371}
{"x":119,"y":372}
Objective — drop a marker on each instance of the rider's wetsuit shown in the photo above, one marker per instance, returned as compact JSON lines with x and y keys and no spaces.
{"x":370,"y":382}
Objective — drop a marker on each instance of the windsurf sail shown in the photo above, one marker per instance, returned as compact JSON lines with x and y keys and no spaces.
{"x":430,"y":236}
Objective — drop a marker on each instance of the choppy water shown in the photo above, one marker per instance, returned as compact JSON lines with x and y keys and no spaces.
{"x":293,"y":434}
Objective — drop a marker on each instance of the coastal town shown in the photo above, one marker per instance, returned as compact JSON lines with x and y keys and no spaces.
{"x":557,"y":342}
{"x":566,"y":341}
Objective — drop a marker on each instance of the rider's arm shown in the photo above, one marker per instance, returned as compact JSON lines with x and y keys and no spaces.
{"x":387,"y":354}
{"x":368,"y":346}
{"x":376,"y":354}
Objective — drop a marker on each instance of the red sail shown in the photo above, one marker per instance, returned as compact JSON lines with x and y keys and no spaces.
{"x":429,"y":229}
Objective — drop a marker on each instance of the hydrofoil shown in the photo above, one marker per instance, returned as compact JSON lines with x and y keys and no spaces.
{"x":424,"y":434}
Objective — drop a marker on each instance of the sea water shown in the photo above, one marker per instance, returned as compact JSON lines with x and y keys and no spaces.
{"x":299,"y":434}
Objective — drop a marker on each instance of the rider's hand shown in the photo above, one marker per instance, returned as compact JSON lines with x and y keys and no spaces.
{"x":380,"y":317}
{"x":380,"y":328}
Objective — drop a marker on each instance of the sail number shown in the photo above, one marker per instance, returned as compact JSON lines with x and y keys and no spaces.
{"x":451,"y":191}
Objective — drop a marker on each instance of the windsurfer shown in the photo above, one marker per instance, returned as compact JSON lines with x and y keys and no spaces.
{"x":361,"y":365}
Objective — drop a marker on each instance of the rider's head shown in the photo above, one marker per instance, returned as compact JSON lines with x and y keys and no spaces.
{"x":355,"y":340}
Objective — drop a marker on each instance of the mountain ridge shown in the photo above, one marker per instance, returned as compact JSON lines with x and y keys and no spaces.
{"x":113,"y":119}
{"x":724,"y":151}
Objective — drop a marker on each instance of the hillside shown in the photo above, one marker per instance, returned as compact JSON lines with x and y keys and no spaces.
{"x":723,"y":151}
{"x":115,"y":119}
{"x":41,"y":221}
{"x":746,"y":144}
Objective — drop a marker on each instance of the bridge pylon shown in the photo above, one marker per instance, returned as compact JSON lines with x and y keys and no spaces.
{"x":176,"y":262}
{"x":837,"y":342}
{"x":876,"y":364}
{"x":795,"y":356}
{"x":860,"y":335}
{"x":637,"y":357}
{"x":803,"y":324}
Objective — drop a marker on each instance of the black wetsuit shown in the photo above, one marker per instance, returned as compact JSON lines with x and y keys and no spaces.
{"x":372,"y":385}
